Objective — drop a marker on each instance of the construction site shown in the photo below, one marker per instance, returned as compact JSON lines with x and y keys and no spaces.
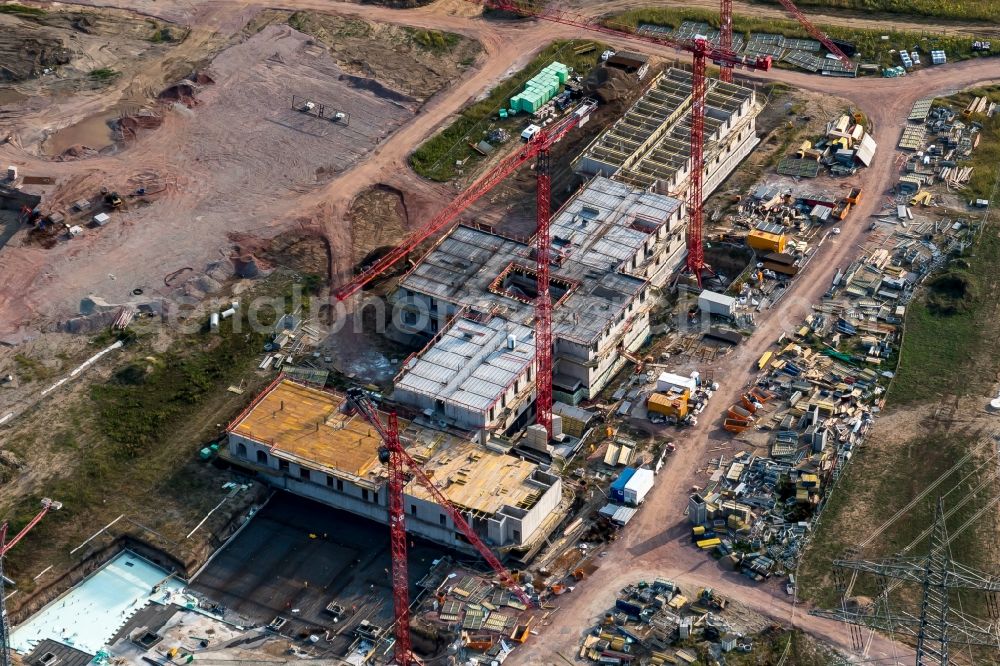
{"x":368,"y":334}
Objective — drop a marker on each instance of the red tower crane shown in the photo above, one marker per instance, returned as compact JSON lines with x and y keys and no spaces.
{"x":5,"y":546}
{"x":398,"y":461}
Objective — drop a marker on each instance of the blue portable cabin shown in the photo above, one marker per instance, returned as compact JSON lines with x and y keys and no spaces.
{"x":617,"y":493}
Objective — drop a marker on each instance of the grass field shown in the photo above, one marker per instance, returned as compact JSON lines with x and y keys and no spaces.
{"x":969,"y":10}
{"x":871,"y":47}
{"x":777,"y":646}
{"x":24,"y":10}
{"x":129,"y":445}
{"x":985,"y":158}
{"x":436,"y":157}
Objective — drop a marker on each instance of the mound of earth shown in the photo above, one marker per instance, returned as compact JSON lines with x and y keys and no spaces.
{"x":608,"y":85}
{"x":24,"y":57}
{"x":77,"y":152}
{"x":180,"y":92}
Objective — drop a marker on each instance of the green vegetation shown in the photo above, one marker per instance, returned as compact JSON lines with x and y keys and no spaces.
{"x":162,"y":35}
{"x":775,"y":645}
{"x":986,"y":157}
{"x":24,"y":10}
{"x":434,"y":41}
{"x":871,"y":47}
{"x":105,"y":74}
{"x":29,"y":370}
{"x":146,"y":397}
{"x":970,"y":10}
{"x":298,"y":20}
{"x":129,"y":444}
{"x":880,"y":481}
{"x":436,"y":157}
{"x":959,"y":306}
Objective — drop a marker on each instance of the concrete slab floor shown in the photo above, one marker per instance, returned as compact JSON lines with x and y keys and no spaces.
{"x":296,"y":556}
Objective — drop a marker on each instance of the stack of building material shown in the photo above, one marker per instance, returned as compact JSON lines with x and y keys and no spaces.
{"x":540,"y":88}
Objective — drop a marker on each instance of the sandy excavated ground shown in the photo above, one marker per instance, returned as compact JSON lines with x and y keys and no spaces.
{"x":230,"y":165}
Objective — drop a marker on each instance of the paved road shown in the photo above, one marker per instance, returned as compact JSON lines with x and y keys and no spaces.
{"x":655,"y":543}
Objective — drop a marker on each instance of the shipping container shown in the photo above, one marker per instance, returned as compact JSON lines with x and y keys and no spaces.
{"x":673,"y":404}
{"x":764,"y":360}
{"x":714,"y":303}
{"x":705,"y":544}
{"x":766,"y":241}
{"x":638,"y":486}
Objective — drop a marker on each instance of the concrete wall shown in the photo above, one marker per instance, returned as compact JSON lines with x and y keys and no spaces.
{"x":511,"y":525}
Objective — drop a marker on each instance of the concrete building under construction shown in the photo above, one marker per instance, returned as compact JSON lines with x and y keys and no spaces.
{"x":479,"y":374}
{"x":611,"y":242}
{"x":649,"y":146}
{"x":301,"y":439}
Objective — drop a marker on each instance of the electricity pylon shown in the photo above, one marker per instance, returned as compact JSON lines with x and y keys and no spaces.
{"x":938,"y":626}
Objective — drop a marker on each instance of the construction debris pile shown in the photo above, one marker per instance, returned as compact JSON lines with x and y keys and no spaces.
{"x":845,"y":147}
{"x":473,"y":612}
{"x":781,"y":227}
{"x":657,"y":624}
{"x":810,"y":408}
{"x":813,"y":402}
{"x":940,"y":139}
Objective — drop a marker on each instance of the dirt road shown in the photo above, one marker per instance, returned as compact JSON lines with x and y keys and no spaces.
{"x":653,"y":544}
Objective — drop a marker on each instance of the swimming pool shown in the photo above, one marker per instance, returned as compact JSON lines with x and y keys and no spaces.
{"x":88,"y":616}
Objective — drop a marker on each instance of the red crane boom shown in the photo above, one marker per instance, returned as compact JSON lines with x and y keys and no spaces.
{"x":5,"y":546}
{"x":817,"y":34}
{"x":47,"y":504}
{"x":541,"y":141}
{"x":395,"y":457}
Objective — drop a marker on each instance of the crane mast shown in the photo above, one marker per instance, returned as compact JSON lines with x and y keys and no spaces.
{"x":726,"y":36}
{"x":695,"y":245}
{"x":538,"y":147}
{"x":543,"y":302}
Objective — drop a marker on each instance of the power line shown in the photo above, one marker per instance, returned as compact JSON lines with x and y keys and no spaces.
{"x":936,"y":626}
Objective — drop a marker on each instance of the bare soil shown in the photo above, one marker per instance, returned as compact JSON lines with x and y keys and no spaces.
{"x":305,"y":252}
{"x":378,"y":220}
{"x":382,"y":53}
{"x":72,"y":41}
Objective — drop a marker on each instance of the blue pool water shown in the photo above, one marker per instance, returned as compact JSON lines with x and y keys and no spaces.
{"x":88,"y":616}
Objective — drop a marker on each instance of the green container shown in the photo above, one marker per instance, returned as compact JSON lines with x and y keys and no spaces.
{"x":503,"y":113}
{"x":561,"y":71}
